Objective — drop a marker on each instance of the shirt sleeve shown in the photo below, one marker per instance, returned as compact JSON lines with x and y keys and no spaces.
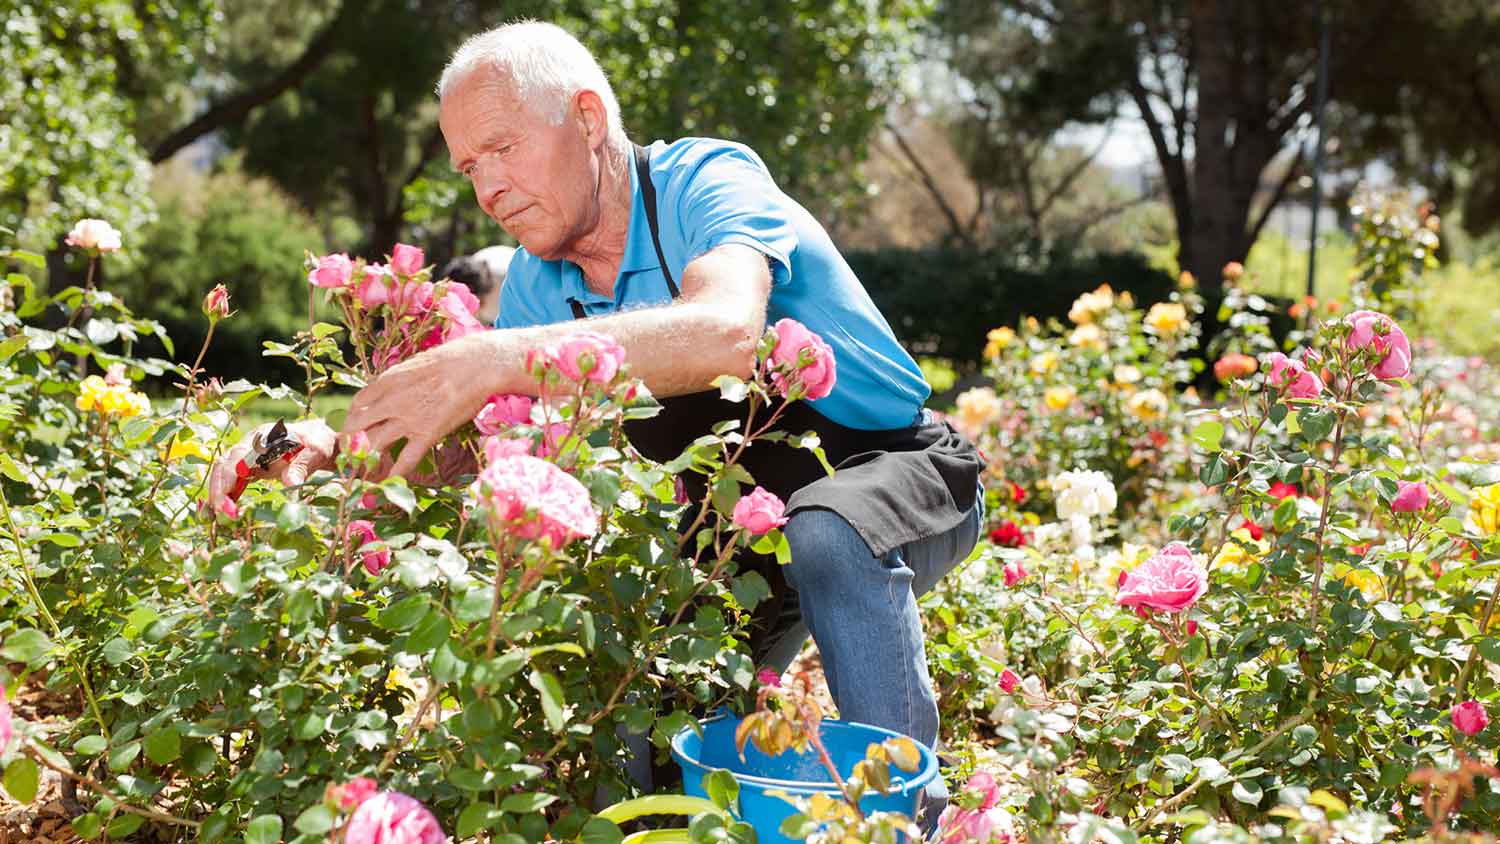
{"x":727,"y":196}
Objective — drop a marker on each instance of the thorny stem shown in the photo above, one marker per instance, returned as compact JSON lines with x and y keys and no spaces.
{"x":1484,"y":624}
{"x":187,"y":389}
{"x":411,"y":728}
{"x":1338,"y":452}
{"x":100,"y":789}
{"x":41,"y":606}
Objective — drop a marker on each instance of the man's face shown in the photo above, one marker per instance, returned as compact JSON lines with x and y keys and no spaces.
{"x":538,"y":181}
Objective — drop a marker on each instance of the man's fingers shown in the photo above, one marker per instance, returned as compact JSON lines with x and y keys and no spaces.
{"x":411,"y":454}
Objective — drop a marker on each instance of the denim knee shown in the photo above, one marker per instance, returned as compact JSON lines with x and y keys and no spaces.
{"x":821,"y":543}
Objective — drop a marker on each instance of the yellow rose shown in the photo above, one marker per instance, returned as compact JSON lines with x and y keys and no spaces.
{"x":998,"y":339}
{"x":1484,"y":510}
{"x":91,"y":393}
{"x":1044,"y":363}
{"x":976,"y":407}
{"x":1059,"y":396}
{"x":1240,"y":550}
{"x":1088,"y":336}
{"x":1366,"y":581}
{"x":99,"y":395}
{"x":1147,"y":405}
{"x":1166,"y":317}
{"x":184,"y":448}
{"x":1086,"y":306}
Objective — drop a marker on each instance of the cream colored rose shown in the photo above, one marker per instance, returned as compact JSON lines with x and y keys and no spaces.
{"x":94,"y":234}
{"x":977,"y":408}
{"x":1147,"y":405}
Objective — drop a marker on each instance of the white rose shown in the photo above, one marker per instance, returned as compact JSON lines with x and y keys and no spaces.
{"x":94,"y":234}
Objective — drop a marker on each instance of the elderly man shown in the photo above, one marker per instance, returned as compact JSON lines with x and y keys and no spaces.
{"x":683,"y":252}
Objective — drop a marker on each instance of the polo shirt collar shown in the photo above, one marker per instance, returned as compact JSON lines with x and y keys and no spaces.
{"x":640,"y":252}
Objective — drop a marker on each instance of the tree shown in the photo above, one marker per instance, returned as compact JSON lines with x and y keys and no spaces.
{"x":1224,"y":88}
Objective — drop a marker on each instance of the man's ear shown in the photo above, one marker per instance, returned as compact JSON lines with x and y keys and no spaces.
{"x":589,"y":109}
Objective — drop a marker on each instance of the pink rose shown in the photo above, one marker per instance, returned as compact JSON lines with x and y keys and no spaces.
{"x":412,"y":298}
{"x":465,"y":295}
{"x":958,"y":825}
{"x":391,"y":817}
{"x":375,"y":288}
{"x":115,"y":375}
{"x":1293,"y":377}
{"x":179,"y":549}
{"x":794,"y":343}
{"x":984,"y":783}
{"x":1469,"y":717}
{"x":1014,"y":573}
{"x":498,"y":447}
{"x":6,"y":731}
{"x":1374,"y":330}
{"x":359,"y":444}
{"x":94,"y":234}
{"x":552,"y":437}
{"x":1411,"y":496}
{"x":369,"y":501}
{"x":1170,"y":581}
{"x":768,"y":677}
{"x":458,"y":319}
{"x":587,"y":354}
{"x":363,"y":530}
{"x":535,"y":499}
{"x":1009,"y":681}
{"x":351,"y":794}
{"x":332,"y":271}
{"x":759,"y":511}
{"x":501,"y":412}
{"x":406,"y":260}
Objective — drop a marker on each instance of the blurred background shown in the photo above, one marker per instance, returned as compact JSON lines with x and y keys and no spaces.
{"x":975,"y":160}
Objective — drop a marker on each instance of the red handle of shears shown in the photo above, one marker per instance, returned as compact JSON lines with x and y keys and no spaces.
{"x":243,"y":473}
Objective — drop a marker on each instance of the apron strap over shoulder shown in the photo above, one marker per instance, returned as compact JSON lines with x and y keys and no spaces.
{"x":648,"y":197}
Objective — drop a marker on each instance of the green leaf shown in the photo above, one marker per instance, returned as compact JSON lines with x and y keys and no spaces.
{"x":1247,"y":792}
{"x":9,"y":469}
{"x":1177,"y":765}
{"x":527,"y":803}
{"x":723,"y":789}
{"x":429,"y":633}
{"x":123,"y":826}
{"x":26,"y":646}
{"x":1215,"y":471}
{"x":265,"y":829}
{"x":600,"y":831}
{"x":87,"y":825}
{"x":291,"y":517}
{"x":1208,"y":435}
{"x":404,"y":614}
{"x":121,"y":757}
{"x":62,"y":540}
{"x":1304,"y":735}
{"x":551,"y":692}
{"x":21,"y":778}
{"x":1316,"y":423}
{"x":750,"y":589}
{"x":315,"y":820}
{"x":475,"y":816}
{"x":731,"y":388}
{"x":398,"y":493}
{"x":90,"y":745}
{"x":164,"y":745}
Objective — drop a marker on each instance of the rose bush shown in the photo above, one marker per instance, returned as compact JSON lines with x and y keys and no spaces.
{"x":484,"y":647}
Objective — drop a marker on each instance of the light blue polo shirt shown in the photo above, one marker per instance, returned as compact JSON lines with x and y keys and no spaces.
{"x":711,"y":193}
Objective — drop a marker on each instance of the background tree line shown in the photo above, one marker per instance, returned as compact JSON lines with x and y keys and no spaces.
{"x":226,"y":136}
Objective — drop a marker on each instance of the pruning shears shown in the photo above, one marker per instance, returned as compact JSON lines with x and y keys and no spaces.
{"x":277,"y":444}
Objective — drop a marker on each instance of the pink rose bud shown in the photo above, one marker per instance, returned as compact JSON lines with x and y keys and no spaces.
{"x":179,"y":549}
{"x":359,"y":444}
{"x":679,"y":490}
{"x":391,"y":817}
{"x":406,"y":260}
{"x":1411,"y":496}
{"x":501,"y":412}
{"x":1292,"y":377}
{"x":1120,"y":581}
{"x":1469,"y":717}
{"x":115,"y":375}
{"x":229,"y":509}
{"x":1009,"y":681}
{"x":1374,"y":330}
{"x":1014,"y":573}
{"x":351,"y":794}
{"x":587,"y":354}
{"x":94,"y":234}
{"x":759,"y":512}
{"x":332,"y":271}
{"x":6,"y":730}
{"x":369,"y":501}
{"x":1170,"y":581}
{"x":768,"y":677}
{"x":362,"y":533}
{"x":803,"y":353}
{"x":216,"y":303}
{"x":1192,"y":628}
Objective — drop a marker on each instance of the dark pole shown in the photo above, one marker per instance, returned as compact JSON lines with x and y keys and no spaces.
{"x":1319,"y":106}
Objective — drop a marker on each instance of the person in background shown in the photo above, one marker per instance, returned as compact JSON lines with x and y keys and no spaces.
{"x":484,"y":274}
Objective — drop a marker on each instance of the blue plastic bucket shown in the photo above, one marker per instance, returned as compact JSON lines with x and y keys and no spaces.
{"x":792,"y":772}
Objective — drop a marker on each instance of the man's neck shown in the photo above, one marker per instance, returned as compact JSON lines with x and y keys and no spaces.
{"x":600,"y":253}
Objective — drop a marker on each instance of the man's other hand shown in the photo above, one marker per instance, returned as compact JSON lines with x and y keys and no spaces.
{"x":319,"y":442}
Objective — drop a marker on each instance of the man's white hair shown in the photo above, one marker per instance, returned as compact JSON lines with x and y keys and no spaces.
{"x":546,"y":64}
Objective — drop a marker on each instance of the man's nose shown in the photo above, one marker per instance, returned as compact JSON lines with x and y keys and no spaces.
{"x":490,"y":183}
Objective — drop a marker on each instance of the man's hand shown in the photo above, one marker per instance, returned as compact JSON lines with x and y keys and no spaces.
{"x":426,"y":397}
{"x":318,"y":445}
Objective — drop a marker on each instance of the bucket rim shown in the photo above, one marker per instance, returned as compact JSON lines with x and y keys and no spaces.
{"x":919,"y":780}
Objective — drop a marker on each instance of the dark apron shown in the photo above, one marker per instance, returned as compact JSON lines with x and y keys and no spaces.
{"x":893,"y":486}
